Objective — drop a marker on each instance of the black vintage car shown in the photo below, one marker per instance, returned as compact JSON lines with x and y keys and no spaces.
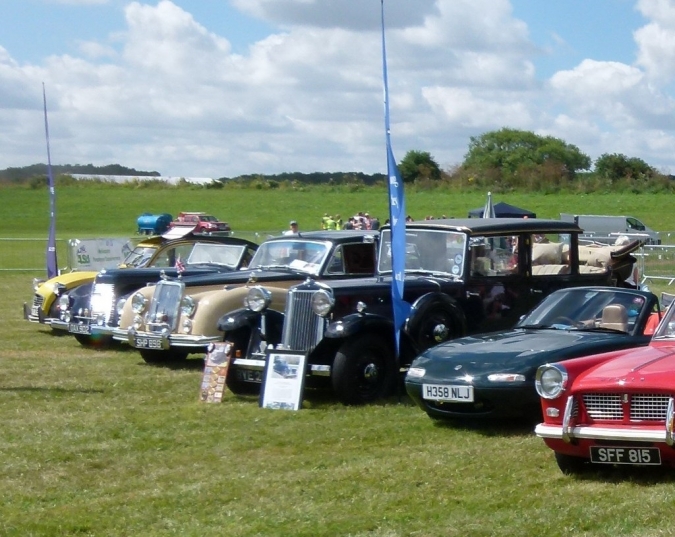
{"x":91,"y":312}
{"x":462,"y":277}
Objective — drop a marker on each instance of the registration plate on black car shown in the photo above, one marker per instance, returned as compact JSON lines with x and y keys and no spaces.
{"x":625,"y":455}
{"x":247,"y":375}
{"x":75,"y":328}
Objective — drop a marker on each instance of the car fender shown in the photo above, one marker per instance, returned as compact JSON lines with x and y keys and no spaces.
{"x":358,"y":323}
{"x":427,"y":305}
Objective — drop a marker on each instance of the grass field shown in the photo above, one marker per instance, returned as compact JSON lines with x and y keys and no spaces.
{"x":97,"y":443}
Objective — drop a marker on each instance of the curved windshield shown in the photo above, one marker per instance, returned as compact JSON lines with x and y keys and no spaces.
{"x":583,"y":309}
{"x":139,"y":257}
{"x":228,"y":255}
{"x":304,"y":256}
{"x":427,"y":250}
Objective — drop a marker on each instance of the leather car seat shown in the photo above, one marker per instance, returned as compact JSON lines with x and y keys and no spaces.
{"x":615,"y":317}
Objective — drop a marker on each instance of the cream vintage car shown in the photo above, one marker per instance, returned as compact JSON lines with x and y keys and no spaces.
{"x":168,"y":320}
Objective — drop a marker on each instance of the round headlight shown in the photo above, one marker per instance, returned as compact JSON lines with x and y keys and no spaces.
{"x":188,"y":305}
{"x":551,"y":381}
{"x":322,"y":303}
{"x":138,"y":302}
{"x":258,"y":298}
{"x":63,"y":302}
{"x":120,"y":306}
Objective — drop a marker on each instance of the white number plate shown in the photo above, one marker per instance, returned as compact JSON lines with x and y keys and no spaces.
{"x":444,"y":392}
{"x":75,"y":328}
{"x":625,"y":455}
{"x":147,"y":343}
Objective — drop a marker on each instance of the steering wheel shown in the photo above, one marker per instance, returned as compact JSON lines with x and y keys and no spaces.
{"x":567,"y":321}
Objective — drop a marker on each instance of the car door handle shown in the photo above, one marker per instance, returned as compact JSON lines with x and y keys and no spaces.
{"x":537,"y":291}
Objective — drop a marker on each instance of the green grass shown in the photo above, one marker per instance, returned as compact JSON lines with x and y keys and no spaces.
{"x":97,"y":443}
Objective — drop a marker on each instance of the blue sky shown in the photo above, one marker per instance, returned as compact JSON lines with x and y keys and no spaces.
{"x":214,"y":88}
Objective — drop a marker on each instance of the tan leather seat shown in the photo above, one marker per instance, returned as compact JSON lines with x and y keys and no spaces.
{"x":615,"y":317}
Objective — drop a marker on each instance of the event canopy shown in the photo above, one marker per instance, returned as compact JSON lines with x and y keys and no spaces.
{"x":503,"y":210}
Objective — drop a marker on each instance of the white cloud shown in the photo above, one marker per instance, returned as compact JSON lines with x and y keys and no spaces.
{"x":167,"y":94}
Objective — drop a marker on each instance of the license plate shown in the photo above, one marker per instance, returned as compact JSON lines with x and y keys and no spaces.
{"x":625,"y":455}
{"x":75,"y":328}
{"x":246,"y":375}
{"x":444,"y":392}
{"x":147,"y":342}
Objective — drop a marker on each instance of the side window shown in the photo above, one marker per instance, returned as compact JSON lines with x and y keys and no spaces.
{"x":550,"y":255}
{"x":358,"y":258}
{"x":164,"y":258}
{"x":336,"y":264}
{"x":493,"y":256}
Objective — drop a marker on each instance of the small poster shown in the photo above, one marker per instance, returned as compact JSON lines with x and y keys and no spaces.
{"x":283,"y":380}
{"x":215,"y":372}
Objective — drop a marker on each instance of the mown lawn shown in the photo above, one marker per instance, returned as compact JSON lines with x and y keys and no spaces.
{"x":99,"y":443}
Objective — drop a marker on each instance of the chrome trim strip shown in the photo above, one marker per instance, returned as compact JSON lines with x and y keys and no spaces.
{"x":670,"y":422}
{"x":567,"y":416}
{"x":599,"y":433}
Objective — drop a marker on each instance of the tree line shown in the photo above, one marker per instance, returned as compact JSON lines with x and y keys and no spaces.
{"x":501,"y":161}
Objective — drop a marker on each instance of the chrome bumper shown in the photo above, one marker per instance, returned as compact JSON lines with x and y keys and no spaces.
{"x":172,"y":340}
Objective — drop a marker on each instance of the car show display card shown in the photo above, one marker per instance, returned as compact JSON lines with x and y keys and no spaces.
{"x":215,"y":372}
{"x":283,"y":380}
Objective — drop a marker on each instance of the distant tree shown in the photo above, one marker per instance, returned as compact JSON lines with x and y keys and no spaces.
{"x":617,"y":166}
{"x":509,"y":150}
{"x":418,"y":165}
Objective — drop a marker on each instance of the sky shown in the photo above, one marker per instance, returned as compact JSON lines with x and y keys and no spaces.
{"x":222,"y":88}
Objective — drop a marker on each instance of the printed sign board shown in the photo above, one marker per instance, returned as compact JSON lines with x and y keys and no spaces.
{"x":215,"y":372}
{"x":97,"y":254}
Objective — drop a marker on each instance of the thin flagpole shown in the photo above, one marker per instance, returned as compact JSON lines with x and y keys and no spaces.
{"x":52,"y":265}
{"x":396,"y":214}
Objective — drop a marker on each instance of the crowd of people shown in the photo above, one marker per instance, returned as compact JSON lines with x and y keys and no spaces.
{"x":360,"y":220}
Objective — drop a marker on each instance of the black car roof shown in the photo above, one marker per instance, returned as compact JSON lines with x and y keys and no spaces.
{"x":341,"y":235}
{"x":484,"y":226}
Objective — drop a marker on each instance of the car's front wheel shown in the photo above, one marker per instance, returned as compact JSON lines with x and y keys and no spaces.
{"x":363,"y":370}
{"x":570,"y":465}
{"x":163,"y":357}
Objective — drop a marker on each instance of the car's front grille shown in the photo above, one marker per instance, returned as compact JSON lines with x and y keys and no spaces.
{"x":616,"y":407}
{"x":164,"y":306}
{"x":38,"y":300}
{"x":303,"y":329}
{"x":103,"y":301}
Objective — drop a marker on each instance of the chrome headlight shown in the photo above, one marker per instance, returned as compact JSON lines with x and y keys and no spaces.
{"x":506,"y":377}
{"x":63,"y":302}
{"x":258,"y":298}
{"x":551,"y":380}
{"x":120,"y":306}
{"x":138,"y":302}
{"x":137,"y":322}
{"x":188,"y":305}
{"x":416,"y":372}
{"x":322,"y":303}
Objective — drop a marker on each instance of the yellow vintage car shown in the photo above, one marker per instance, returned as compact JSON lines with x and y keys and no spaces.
{"x":42,"y":308}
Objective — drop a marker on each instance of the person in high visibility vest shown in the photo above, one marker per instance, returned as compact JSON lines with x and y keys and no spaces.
{"x":324,"y":221}
{"x":338,"y":222}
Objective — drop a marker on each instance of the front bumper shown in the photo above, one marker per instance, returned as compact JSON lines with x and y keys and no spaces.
{"x":152,"y":340}
{"x":258,"y":364}
{"x":558,"y":432}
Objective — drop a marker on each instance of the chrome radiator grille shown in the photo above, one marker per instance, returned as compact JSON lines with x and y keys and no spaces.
{"x":164,"y":306}
{"x":103,"y":301}
{"x":303,"y":329}
{"x":38,"y":300}
{"x":637,"y":407}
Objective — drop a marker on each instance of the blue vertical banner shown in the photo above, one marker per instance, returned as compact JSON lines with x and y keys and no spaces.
{"x":52,"y":265}
{"x":397,"y":212}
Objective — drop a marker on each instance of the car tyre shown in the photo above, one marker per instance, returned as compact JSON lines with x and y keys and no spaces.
{"x":570,"y":465}
{"x":363,"y":370}
{"x":163,"y":357}
{"x":436,"y":325}
{"x":91,"y":342}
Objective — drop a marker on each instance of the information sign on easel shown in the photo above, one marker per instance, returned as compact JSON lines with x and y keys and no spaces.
{"x":283,"y":380}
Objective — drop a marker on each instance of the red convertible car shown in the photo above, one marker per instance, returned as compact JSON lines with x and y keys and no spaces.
{"x":615,"y":408}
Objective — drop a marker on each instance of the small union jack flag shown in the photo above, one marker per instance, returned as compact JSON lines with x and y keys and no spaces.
{"x":180,"y":267}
